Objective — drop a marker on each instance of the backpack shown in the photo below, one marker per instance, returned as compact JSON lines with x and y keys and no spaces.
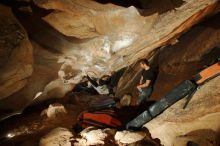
{"x":100,"y":119}
{"x":102,"y":103}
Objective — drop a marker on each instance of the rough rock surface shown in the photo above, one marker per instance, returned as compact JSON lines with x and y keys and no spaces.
{"x":202,"y":137}
{"x":57,"y":137}
{"x":127,"y":137}
{"x":45,"y":63}
{"x":48,"y":46}
{"x":91,"y":136}
{"x":203,"y":112}
{"x":16,"y":57}
{"x":108,"y":137}
{"x":118,"y":36}
{"x":54,"y":110}
{"x":153,"y":6}
{"x":54,"y":89}
{"x":88,"y":19}
{"x":187,"y":57}
{"x":128,"y":82}
{"x":178,"y":62}
{"x":30,"y":127}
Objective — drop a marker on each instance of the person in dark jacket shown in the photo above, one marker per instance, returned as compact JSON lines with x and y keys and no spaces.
{"x":101,"y":85}
{"x":107,"y":84}
{"x":145,"y":85}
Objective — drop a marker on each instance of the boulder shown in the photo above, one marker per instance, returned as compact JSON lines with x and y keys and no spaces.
{"x":45,"y":71}
{"x":16,"y":54}
{"x":54,"y":89}
{"x":54,"y":110}
{"x":31,"y":127}
{"x":93,"y":136}
{"x":128,"y":137}
{"x":201,"y":137}
{"x":202,"y":112}
{"x":57,"y":137}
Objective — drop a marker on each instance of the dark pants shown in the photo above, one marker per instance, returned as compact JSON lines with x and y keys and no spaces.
{"x":144,"y":93}
{"x":81,"y":88}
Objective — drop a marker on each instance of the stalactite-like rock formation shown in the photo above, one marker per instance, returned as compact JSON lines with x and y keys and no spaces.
{"x":118,"y":36}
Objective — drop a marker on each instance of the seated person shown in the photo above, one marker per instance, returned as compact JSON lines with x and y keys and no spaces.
{"x":145,"y":86}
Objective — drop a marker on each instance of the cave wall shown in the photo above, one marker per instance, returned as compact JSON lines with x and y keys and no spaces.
{"x":38,"y":56}
{"x":186,"y":58}
{"x":178,"y":62}
{"x":16,"y":54}
{"x":110,"y":46}
{"x":73,"y":38}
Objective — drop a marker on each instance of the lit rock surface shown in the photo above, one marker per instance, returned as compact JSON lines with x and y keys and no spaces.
{"x":88,"y":19}
{"x":54,"y":110}
{"x":127,"y":137}
{"x":118,"y":36}
{"x":57,"y":137}
{"x":54,"y":89}
{"x":16,"y":59}
{"x":92,"y":136}
{"x":203,"y":112}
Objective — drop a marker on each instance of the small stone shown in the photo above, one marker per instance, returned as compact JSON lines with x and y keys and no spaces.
{"x":92,"y":136}
{"x":127,"y":137}
{"x":54,"y":110}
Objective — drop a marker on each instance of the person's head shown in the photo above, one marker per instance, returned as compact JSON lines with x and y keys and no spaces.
{"x":144,"y":63}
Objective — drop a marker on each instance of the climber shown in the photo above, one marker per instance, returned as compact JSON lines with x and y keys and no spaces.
{"x":145,"y":86}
